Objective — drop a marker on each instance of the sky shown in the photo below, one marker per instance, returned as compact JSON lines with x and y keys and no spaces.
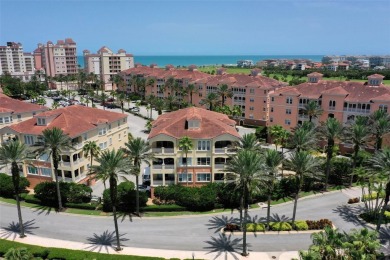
{"x":203,"y":27}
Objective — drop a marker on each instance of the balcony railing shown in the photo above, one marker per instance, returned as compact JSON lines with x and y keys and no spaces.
{"x":168,"y":182}
{"x":223,"y":150}
{"x":363,"y":111}
{"x":157,"y":182}
{"x":303,"y":116}
{"x":163,"y":166}
{"x":219,"y":165}
{"x":163,"y":150}
{"x":65,"y":163}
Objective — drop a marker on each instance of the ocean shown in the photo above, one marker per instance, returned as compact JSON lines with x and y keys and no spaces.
{"x":200,"y":60}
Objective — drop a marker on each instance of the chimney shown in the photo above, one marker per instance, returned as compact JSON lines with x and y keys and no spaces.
{"x":375,"y":79}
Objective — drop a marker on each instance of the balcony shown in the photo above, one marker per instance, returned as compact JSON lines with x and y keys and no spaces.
{"x":163,"y":150}
{"x":62,"y":163}
{"x":356,"y":110}
{"x":159,"y":182}
{"x":219,"y":166}
{"x":224,"y":150}
{"x":301,"y":116}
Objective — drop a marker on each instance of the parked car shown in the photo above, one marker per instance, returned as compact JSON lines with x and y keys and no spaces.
{"x":110,"y":105}
{"x":143,"y":188}
{"x":134,"y":109}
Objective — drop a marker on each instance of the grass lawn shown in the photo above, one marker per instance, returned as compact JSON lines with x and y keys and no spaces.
{"x":228,"y":70}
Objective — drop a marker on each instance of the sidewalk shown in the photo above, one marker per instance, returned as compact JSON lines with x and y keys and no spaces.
{"x":41,"y":241}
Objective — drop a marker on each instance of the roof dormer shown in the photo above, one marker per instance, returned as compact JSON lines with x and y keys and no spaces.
{"x":314,"y":77}
{"x":41,"y":120}
{"x":44,"y":120}
{"x":375,"y":80}
{"x":193,"y":124}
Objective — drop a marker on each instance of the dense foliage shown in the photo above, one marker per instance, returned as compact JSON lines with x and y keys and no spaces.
{"x":7,"y":188}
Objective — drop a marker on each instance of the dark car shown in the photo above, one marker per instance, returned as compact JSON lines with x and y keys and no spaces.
{"x":111,"y":105}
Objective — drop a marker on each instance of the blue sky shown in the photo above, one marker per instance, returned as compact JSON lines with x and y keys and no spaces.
{"x":212,"y":27}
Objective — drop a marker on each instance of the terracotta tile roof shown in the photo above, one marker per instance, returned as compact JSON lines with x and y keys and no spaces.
{"x":8,"y":104}
{"x":376,"y":76}
{"x":73,"y":120}
{"x":315,"y":74}
{"x":212,"y":124}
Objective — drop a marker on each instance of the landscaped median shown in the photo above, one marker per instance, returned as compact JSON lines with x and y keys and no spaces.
{"x":284,"y":227}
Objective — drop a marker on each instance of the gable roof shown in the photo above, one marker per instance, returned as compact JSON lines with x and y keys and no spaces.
{"x":8,"y":104}
{"x":212,"y":124}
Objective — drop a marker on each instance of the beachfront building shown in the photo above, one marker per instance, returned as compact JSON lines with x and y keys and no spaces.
{"x":343,"y":100}
{"x":13,"y":111}
{"x":211,"y":134}
{"x":250,"y":92}
{"x":106,"y":64}
{"x":16,"y":62}
{"x":108,"y":129}
{"x":57,"y":59}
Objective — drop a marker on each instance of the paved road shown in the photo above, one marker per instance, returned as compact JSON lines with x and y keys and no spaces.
{"x":183,"y":233}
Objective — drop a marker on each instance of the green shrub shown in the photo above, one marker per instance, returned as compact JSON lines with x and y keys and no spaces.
{"x":340,"y":170}
{"x":18,"y":254}
{"x":198,"y":198}
{"x":318,"y":224}
{"x":126,"y":200}
{"x":372,"y":196}
{"x":70,"y":192}
{"x":7,"y":187}
{"x":81,"y":206}
{"x":163,"y":208}
{"x":301,"y":225}
{"x":32,"y":199}
{"x":228,"y":195}
{"x":255,"y":227}
{"x":280,"y":226}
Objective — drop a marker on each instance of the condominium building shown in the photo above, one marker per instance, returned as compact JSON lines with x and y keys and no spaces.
{"x":250,"y":92}
{"x":106,"y":64}
{"x":108,"y":129}
{"x":16,"y":62}
{"x":343,"y":100}
{"x":211,"y":134}
{"x":57,"y":59}
{"x":13,"y":111}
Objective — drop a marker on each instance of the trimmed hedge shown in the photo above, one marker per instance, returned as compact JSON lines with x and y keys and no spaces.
{"x":126,"y":200}
{"x":7,"y":187}
{"x":81,"y":206}
{"x":372,"y":196}
{"x":255,"y":227}
{"x":301,"y":225}
{"x":280,"y":226}
{"x":29,"y":198}
{"x":67,"y":254}
{"x":163,"y":208}
{"x":70,"y":193}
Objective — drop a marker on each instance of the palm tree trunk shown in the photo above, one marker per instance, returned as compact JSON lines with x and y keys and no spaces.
{"x":118,"y":243}
{"x":384,"y":207}
{"x":244,"y":245}
{"x":295,"y":207}
{"x":268,"y":211}
{"x":187,"y":167}
{"x":353,"y":165}
{"x":16,"y":181}
{"x":137,"y":196}
{"x":241,"y":208}
{"x":328,"y":159}
{"x":113,"y":195}
{"x":55,"y":162}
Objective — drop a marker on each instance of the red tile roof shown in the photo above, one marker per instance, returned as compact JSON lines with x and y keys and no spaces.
{"x":8,"y":104}
{"x":73,"y":120}
{"x":212,"y":124}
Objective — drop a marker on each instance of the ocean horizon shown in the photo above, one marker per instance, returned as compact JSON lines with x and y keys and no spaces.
{"x":204,"y":60}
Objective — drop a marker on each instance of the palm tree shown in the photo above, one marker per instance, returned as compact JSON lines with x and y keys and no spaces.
{"x":381,"y":163}
{"x":150,"y":99}
{"x":304,"y":165}
{"x":272,"y":160}
{"x":312,"y":109}
{"x":330,"y":130}
{"x":275,"y":131}
{"x":236,"y":111}
{"x":303,"y":137}
{"x":114,"y":163}
{"x":248,"y":168}
{"x":380,"y":125}
{"x":210,"y":101}
{"x":185,"y":144}
{"x":159,"y":105}
{"x":191,"y":89}
{"x":248,"y":142}
{"x":121,"y":98}
{"x":224,"y":92}
{"x":91,"y":148}
{"x":170,"y":102}
{"x":138,"y":151}
{"x":15,"y":153}
{"x":54,"y":142}
{"x":358,"y":135}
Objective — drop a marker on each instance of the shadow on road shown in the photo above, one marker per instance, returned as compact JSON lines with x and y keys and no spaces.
{"x":104,"y":241}
{"x":224,"y":245}
{"x":40,"y":209}
{"x":217,"y":223}
{"x":350,"y":214}
{"x":13,"y":229}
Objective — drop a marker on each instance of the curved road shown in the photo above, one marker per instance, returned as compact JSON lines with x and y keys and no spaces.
{"x":182,"y":233}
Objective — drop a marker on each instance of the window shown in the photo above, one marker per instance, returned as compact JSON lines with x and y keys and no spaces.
{"x":85,"y":137}
{"x":264,"y":109}
{"x":251,"y":108}
{"x":7,"y":119}
{"x":109,"y":127}
{"x":19,"y":117}
{"x":332,"y":104}
{"x":29,"y":139}
{"x":41,"y":121}
{"x":183,"y":160}
{"x":271,"y":119}
{"x":32,"y":170}
{"x":203,"y":145}
{"x":102,"y":131}
{"x":203,"y":161}
{"x":272,"y":109}
{"x":289,"y":100}
{"x":288,"y":111}
{"x":110,"y":141}
{"x":272,"y":99}
{"x":119,"y":136}
{"x":203,"y":177}
{"x":183,"y":177}
{"x":252,"y":91}
{"x":1,"y":120}
{"x":252,"y":100}
{"x":103,"y":145}
{"x":45,"y":172}
{"x":287,"y":122}
{"x":383,"y":107}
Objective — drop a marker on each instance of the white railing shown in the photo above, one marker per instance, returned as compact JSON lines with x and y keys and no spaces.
{"x":157,"y":166}
{"x":168,"y":150}
{"x":169,"y":166}
{"x":157,"y":150}
{"x":157,"y":182}
{"x":364,"y":111}
{"x":219,"y":166}
{"x":167,"y":182}
{"x":219,"y":150}
{"x":65,"y":163}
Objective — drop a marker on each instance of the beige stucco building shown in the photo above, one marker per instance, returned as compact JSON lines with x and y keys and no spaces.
{"x":108,"y":129}
{"x":106,"y":64}
{"x":211,"y":133}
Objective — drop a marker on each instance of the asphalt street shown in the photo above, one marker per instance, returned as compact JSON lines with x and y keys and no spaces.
{"x":187,"y":232}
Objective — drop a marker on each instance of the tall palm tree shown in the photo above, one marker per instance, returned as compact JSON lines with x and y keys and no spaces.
{"x":159,"y":105}
{"x":138,"y":151}
{"x":248,"y":142}
{"x":185,"y":144}
{"x":15,"y":153}
{"x":275,"y":131}
{"x":381,"y":163}
{"x":304,"y":165}
{"x":224,"y":92}
{"x":170,"y":102}
{"x":91,"y":148}
{"x":114,"y":163}
{"x":150,"y":100}
{"x":312,"y":109}
{"x":191,"y":89}
{"x":247,"y":167}
{"x":211,"y":100}
{"x":330,"y":130}
{"x":54,"y":142}
{"x":380,"y":125}
{"x":272,"y":160}
{"x":121,"y":98}
{"x":237,"y":111}
{"x":357,"y":134}
{"x":303,"y":137}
